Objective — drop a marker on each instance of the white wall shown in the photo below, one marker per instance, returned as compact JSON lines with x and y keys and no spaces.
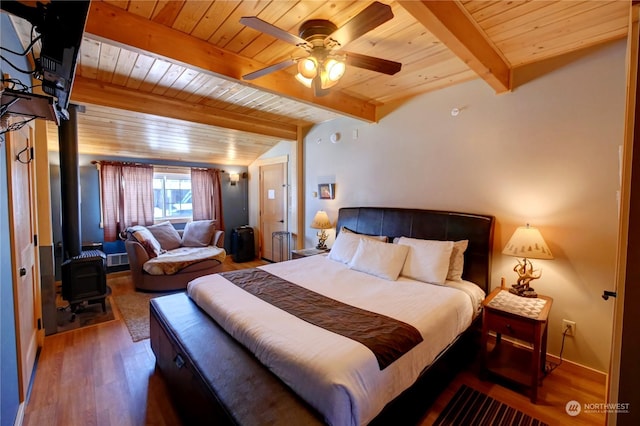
{"x":545,"y":154}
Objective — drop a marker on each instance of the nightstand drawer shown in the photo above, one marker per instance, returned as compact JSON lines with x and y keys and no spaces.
{"x":509,"y":326}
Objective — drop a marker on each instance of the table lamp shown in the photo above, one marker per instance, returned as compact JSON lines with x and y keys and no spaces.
{"x":321,"y":221}
{"x":527,"y":243}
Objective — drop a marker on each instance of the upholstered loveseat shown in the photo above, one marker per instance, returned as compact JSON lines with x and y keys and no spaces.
{"x":162,"y":258}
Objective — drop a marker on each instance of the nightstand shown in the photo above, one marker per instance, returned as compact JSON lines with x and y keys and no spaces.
{"x":297,"y":254}
{"x":523,"y":321}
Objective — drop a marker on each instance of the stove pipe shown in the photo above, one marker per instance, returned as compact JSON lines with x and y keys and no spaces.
{"x":70,"y":184}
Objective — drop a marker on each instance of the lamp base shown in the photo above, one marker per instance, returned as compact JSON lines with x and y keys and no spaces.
{"x":322,"y":237}
{"x":523,"y":290}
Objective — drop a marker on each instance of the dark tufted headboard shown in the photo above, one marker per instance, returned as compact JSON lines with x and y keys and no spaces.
{"x":429,"y":225}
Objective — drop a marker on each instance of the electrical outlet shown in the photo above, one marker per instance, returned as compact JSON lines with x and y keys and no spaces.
{"x":570,"y":325}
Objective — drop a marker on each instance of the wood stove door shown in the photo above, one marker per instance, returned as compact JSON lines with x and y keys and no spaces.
{"x":20,"y":174}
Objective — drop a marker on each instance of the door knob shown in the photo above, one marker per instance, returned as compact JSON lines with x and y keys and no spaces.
{"x":23,"y":272}
{"x":608,"y":294}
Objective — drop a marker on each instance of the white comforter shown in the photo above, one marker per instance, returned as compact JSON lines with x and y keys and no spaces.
{"x":339,"y":376}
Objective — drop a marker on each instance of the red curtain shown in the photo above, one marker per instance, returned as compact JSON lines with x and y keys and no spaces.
{"x":137,"y":183}
{"x":206,"y":193}
{"x":111,"y":180}
{"x":127,"y":197}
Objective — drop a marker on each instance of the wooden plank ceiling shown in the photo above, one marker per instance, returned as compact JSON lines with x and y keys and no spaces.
{"x":163,"y":79}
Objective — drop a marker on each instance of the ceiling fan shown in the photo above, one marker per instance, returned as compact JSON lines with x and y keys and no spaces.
{"x":326,"y":62}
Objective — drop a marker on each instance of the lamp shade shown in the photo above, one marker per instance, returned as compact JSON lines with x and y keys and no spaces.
{"x":321,"y":220}
{"x":527,"y":242}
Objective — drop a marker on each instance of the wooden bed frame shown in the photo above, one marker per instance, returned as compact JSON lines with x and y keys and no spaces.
{"x":215,"y":380}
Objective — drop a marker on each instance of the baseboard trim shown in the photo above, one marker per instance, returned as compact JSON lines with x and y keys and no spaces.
{"x":589,"y":373}
{"x":600,"y":377}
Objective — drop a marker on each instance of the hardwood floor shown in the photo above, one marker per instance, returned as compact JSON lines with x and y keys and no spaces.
{"x":564,"y":384}
{"x":98,"y":376}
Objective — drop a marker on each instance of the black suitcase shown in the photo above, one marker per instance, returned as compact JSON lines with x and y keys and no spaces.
{"x":242,"y":245}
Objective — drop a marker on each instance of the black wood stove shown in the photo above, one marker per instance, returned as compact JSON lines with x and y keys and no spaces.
{"x":84,"y":273}
{"x":84,"y":279}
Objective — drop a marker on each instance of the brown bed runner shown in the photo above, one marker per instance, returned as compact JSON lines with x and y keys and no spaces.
{"x":386,"y":337}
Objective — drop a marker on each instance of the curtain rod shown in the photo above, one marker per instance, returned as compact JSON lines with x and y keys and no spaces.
{"x":151,"y":165}
{"x":204,"y":168}
{"x":125,"y":163}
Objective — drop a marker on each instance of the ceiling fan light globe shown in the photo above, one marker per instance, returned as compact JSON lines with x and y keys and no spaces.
{"x":325,"y":82}
{"x":308,"y":67}
{"x":334,"y":69}
{"x":305,"y":81}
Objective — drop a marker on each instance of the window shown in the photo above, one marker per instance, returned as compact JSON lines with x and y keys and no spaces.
{"x":172,"y":194}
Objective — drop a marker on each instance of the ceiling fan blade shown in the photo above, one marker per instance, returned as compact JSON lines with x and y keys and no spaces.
{"x":372,"y":16}
{"x":269,"y":69}
{"x":374,"y":64}
{"x":267,"y":28}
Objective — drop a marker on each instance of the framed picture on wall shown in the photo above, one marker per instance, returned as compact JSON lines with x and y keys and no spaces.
{"x":327,"y":191}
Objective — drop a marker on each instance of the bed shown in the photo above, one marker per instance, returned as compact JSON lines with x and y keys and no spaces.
{"x":200,"y":339}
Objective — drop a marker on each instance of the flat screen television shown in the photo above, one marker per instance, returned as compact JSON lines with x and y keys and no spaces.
{"x":61,"y":26}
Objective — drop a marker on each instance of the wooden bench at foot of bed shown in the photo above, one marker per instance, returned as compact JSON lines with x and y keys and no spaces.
{"x":215,"y":381}
{"x":207,"y":371}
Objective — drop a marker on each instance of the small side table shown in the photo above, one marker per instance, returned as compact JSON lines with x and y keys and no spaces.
{"x":297,"y":254}
{"x":525,"y":320}
{"x":281,"y":240}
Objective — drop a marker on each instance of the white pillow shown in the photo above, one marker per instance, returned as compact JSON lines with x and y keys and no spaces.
{"x":428,"y":260}
{"x":345,"y":245}
{"x":382,"y":238}
{"x":456,"y":263}
{"x":380,"y":259}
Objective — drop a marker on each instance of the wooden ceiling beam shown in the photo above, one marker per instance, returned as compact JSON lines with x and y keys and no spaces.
{"x":450,"y":23}
{"x":90,"y":91}
{"x":111,"y":23}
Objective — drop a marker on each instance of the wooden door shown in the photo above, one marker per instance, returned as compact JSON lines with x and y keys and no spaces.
{"x":21,"y":220}
{"x":625,"y":350}
{"x":273,"y":208}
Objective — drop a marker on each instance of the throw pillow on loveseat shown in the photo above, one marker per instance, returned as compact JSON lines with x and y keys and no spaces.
{"x":168,"y":236}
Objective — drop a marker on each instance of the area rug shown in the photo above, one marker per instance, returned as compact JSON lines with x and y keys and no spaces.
{"x":469,"y":406}
{"x":85,"y":315}
{"x":134,"y":309}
